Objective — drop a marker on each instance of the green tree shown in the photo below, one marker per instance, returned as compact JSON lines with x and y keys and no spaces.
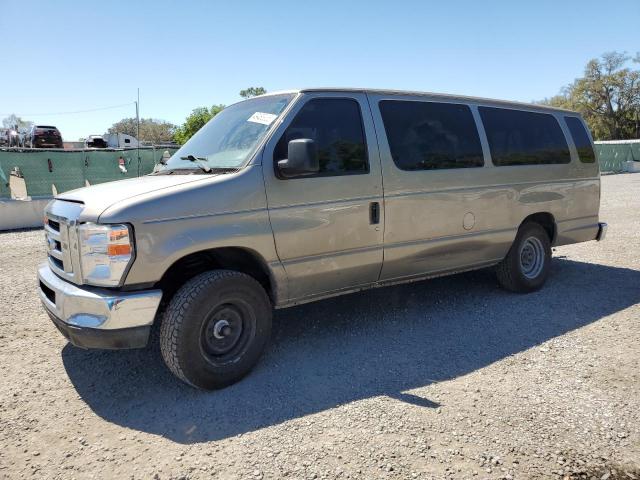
{"x":201,"y":115}
{"x":607,"y":96}
{"x":195,"y":121}
{"x":252,"y":92}
{"x":151,"y":130}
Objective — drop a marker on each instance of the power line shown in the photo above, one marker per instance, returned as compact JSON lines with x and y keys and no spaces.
{"x":70,"y":113}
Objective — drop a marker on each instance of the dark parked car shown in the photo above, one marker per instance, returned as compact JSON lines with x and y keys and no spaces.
{"x":95,"y":141}
{"x":44,"y":136}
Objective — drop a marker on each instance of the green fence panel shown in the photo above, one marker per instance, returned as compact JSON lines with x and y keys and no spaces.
{"x":148,"y":161}
{"x":103,"y":166}
{"x":612,"y":156}
{"x":69,"y":169}
{"x":66,"y":174}
{"x":4,"y":182}
{"x":42,"y":169}
{"x":132,"y":163}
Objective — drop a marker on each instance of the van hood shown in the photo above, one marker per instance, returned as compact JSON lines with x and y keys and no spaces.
{"x":97,"y":198}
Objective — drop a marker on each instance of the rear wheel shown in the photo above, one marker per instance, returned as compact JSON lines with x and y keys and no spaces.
{"x":526,"y":266}
{"x":215,"y":328}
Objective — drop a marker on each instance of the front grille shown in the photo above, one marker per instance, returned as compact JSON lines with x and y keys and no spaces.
{"x":58,"y":245}
{"x":56,"y":262}
{"x":61,"y":235}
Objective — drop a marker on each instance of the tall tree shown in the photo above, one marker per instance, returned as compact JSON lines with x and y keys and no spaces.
{"x":195,"y":121}
{"x":13,"y":120}
{"x":151,"y":130}
{"x":252,"y":92}
{"x":608,"y":96}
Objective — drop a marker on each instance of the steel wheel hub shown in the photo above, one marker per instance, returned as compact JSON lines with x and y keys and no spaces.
{"x":532,"y":257}
{"x":223,"y":330}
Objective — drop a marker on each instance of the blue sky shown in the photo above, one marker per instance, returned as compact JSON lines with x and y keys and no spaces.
{"x":83,"y":55}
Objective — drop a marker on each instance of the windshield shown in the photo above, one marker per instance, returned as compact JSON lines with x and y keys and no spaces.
{"x":230,"y":137}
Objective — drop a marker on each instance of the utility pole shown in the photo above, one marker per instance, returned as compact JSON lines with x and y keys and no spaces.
{"x":138,"y":128}
{"x":138,"y":117}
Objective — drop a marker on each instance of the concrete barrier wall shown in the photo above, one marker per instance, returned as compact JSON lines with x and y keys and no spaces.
{"x":22,"y":214}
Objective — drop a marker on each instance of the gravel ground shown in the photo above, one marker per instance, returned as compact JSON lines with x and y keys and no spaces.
{"x":452,"y":377}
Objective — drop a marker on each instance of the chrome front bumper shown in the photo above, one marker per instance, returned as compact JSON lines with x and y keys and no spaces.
{"x":602,"y":231}
{"x":96,"y":317}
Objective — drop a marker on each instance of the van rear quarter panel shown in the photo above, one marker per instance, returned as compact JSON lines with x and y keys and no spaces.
{"x":443,"y":220}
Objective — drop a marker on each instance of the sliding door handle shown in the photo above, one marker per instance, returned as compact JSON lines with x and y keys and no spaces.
{"x":374,"y":213}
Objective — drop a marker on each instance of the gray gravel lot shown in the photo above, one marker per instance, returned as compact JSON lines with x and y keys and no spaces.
{"x":452,"y":377}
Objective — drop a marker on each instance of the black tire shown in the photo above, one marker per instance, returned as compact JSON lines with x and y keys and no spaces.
{"x":526,"y":266}
{"x":215,"y":328}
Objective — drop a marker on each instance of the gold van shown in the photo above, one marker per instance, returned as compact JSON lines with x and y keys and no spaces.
{"x":296,"y":196}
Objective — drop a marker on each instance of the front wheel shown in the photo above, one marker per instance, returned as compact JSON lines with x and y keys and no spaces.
{"x":215,"y":328}
{"x":526,"y":266}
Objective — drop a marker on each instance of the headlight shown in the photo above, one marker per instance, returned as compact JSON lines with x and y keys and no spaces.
{"x":105,"y":253}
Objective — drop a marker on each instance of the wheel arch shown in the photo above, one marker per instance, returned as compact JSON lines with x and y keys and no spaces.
{"x":239,"y":259}
{"x":546,"y":220}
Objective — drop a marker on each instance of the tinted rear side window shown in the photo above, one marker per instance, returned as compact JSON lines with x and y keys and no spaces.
{"x":335,"y":124}
{"x":581,"y":140}
{"x":524,"y":138}
{"x":430,"y":135}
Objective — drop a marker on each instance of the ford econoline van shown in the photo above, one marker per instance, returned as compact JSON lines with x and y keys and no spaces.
{"x":302,"y":195}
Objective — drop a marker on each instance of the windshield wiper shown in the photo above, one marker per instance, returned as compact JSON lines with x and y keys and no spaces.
{"x":205,"y":168}
{"x":225,"y":169}
{"x":191,"y":171}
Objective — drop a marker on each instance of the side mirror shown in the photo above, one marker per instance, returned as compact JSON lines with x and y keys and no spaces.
{"x":302,"y":159}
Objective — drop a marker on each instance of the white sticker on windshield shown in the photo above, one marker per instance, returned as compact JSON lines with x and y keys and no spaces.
{"x":263,"y":118}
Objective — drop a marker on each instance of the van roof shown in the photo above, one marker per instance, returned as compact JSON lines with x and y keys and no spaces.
{"x":444,"y":96}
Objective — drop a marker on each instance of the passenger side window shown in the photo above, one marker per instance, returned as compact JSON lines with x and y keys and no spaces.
{"x":581,"y":140}
{"x":335,"y":124}
{"x":518,"y":137}
{"x":430,"y":135}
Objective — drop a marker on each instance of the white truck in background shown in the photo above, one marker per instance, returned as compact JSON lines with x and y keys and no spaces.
{"x":120,"y":140}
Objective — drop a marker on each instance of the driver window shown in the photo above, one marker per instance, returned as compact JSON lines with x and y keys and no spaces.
{"x":335,"y":124}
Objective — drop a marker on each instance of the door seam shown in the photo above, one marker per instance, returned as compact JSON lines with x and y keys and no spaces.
{"x":384,"y":206}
